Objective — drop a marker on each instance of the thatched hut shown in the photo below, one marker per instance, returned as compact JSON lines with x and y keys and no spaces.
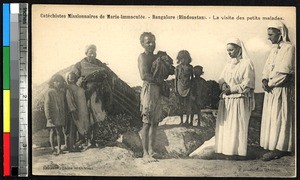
{"x":125,"y":101}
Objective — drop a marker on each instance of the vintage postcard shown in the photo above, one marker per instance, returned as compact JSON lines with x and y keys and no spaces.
{"x":202,"y":91}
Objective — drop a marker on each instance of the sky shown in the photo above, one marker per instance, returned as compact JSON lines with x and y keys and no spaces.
{"x":58,"y":43}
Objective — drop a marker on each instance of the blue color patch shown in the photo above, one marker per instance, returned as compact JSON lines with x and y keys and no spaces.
{"x":6,"y":24}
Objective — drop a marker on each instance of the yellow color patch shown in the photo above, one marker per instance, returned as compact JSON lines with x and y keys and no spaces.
{"x":6,"y":111}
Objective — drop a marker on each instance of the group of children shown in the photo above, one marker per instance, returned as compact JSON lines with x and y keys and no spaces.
{"x":190,"y":88}
{"x":66,"y":115}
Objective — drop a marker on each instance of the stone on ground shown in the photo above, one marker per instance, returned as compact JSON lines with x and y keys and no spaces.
{"x":172,"y":141}
{"x":206,"y":149}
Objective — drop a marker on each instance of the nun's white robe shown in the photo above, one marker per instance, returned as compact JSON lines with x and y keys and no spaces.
{"x":277,"y":126}
{"x":235,"y":109}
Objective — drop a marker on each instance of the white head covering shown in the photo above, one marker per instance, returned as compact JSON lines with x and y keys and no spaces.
{"x":282,"y":28}
{"x":240,"y":43}
{"x":91,"y":46}
{"x":245,"y":57}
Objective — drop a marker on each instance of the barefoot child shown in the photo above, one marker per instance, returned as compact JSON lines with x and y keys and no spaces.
{"x":78,"y":111}
{"x":55,"y":110}
{"x":151,"y":107}
{"x":183,"y":77}
{"x":199,"y":92}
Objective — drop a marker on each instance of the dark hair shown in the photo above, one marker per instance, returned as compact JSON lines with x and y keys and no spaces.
{"x":149,"y":34}
{"x":72,"y":73}
{"x":184,"y":54}
{"x":197,"y":69}
{"x":55,"y":78}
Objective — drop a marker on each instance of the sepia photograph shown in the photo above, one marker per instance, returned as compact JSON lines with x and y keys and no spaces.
{"x":176,"y":91}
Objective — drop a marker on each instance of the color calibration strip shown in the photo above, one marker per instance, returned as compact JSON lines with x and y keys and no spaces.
{"x":15,"y":89}
{"x":6,"y":90}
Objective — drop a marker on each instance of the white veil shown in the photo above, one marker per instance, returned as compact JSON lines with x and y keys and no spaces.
{"x":282,"y":28}
{"x":240,"y":43}
{"x":245,"y":58}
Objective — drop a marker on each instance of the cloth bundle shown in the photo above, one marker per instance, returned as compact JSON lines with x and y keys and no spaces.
{"x":161,"y":68}
{"x":97,"y":80}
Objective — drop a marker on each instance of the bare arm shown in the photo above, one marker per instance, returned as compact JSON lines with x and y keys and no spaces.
{"x":144,"y":70}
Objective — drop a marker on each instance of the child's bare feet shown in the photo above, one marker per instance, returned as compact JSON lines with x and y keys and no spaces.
{"x":65,"y":148}
{"x":79,"y":143}
{"x":148,"y":159}
{"x":85,"y":148}
{"x":151,"y":159}
{"x":185,"y":124}
{"x":54,"y":152}
{"x":60,"y":152}
{"x":155,"y":155}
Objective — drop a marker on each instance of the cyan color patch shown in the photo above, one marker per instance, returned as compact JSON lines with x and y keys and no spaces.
{"x":6,"y":24}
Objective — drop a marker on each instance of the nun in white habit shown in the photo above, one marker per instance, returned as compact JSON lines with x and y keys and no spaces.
{"x":237,"y":82}
{"x":277,"y":81}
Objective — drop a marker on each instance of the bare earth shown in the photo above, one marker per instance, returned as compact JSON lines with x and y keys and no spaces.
{"x":115,"y":161}
{"x":118,"y":161}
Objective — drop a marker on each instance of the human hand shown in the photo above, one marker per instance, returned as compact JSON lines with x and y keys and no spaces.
{"x":227,"y":92}
{"x":225,"y":87}
{"x":265,"y":86}
{"x":80,"y":81}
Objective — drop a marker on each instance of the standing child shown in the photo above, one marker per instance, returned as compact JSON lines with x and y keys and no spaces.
{"x":199,"y":92}
{"x":55,"y":110}
{"x":78,"y":110}
{"x":151,"y":106}
{"x":184,"y":75}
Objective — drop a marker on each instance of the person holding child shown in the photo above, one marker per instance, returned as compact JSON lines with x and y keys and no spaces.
{"x":55,"y":111}
{"x":237,"y":101}
{"x":183,"y":78}
{"x":151,"y":94}
{"x":92,"y":77}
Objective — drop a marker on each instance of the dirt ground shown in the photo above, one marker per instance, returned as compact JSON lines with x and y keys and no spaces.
{"x":116,"y":160}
